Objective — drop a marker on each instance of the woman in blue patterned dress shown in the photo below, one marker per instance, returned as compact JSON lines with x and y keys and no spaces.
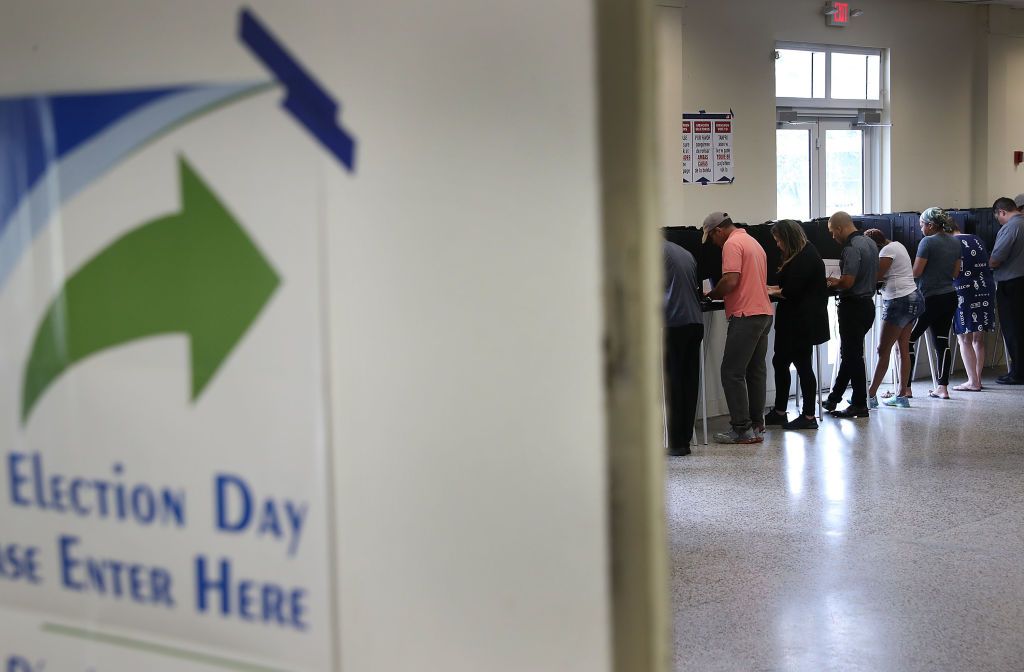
{"x":975,"y":311}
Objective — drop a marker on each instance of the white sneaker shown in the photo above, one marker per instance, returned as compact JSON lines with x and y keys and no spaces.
{"x":732,"y":436}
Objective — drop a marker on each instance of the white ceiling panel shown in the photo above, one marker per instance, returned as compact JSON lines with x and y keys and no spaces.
{"x":1018,"y":4}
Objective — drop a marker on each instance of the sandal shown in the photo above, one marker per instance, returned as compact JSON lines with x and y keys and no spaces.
{"x":963,"y":387}
{"x":888,"y":395}
{"x":931,"y":393}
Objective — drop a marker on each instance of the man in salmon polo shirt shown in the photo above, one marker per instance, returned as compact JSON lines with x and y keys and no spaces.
{"x":744,"y":286}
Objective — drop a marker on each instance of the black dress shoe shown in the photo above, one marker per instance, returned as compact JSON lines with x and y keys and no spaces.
{"x":801,"y":422}
{"x":851,"y":412}
{"x":1007,"y":380}
{"x":679,"y":452}
{"x":773,"y":417}
{"x":829,"y":405}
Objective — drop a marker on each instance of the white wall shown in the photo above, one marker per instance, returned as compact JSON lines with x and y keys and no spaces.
{"x":466,"y":321}
{"x":669,"y":65}
{"x":1004,"y":130}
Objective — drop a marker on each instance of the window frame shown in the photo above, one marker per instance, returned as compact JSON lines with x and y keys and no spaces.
{"x":817,"y":125}
{"x":829,"y":103}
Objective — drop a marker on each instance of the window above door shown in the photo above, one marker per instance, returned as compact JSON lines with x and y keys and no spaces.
{"x":828,"y":76}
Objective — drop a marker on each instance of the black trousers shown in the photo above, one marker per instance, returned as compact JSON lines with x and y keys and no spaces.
{"x":800,"y":356}
{"x":1010,"y":302}
{"x":938,"y":314}
{"x":682,"y":368}
{"x":856,"y":315}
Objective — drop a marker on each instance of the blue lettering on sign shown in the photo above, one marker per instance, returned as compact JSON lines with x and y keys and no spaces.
{"x":220,"y":591}
{"x":19,"y":664}
{"x":239,"y":510}
{"x":31,"y":485}
{"x":19,"y":563}
{"x":110,"y":578}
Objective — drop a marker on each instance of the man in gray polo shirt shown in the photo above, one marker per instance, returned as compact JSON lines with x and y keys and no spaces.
{"x":859,"y":270}
{"x":1007,"y":260}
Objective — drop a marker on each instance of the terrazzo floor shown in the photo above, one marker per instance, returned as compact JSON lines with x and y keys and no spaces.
{"x":893,"y":543}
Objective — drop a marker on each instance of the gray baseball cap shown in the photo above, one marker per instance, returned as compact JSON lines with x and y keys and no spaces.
{"x":713,"y":221}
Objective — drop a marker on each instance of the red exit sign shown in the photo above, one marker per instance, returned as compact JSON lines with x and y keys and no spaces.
{"x":837,"y":13}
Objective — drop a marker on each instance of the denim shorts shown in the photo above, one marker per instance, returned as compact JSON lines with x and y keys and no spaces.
{"x":904,"y":310}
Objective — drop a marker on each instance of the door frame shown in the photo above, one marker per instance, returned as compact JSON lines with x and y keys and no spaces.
{"x":638,"y":559}
{"x":817,"y":127}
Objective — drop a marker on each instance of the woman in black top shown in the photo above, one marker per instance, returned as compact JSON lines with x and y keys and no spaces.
{"x":801,"y":321}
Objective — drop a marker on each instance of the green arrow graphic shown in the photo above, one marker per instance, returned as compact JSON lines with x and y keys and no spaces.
{"x":194,"y":272}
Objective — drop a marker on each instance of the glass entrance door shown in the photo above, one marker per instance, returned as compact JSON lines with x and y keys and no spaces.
{"x":820,"y":167}
{"x":841,"y":158}
{"x":793,"y":169}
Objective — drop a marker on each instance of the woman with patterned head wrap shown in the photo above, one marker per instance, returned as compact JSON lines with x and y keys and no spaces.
{"x":937,"y":263}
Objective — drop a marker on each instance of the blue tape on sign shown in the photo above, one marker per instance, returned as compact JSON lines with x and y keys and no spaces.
{"x":307,"y":101}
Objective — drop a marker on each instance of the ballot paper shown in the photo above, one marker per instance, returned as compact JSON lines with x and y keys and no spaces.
{"x":832,"y":268}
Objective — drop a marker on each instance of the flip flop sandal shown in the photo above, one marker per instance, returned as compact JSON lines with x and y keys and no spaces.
{"x":965,"y":388}
{"x":931,"y":393}
{"x":888,"y":395}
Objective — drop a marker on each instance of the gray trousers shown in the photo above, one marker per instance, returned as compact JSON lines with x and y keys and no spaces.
{"x":744,"y":373}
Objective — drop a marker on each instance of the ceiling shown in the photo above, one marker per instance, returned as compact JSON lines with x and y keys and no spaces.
{"x":1019,"y":4}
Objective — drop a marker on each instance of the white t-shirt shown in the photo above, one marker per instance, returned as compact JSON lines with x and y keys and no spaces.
{"x":899,"y":281}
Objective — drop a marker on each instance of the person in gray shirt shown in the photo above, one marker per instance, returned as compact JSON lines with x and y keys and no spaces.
{"x":858,"y":266}
{"x":684,"y":330}
{"x":936,"y":264}
{"x":1007,"y":260}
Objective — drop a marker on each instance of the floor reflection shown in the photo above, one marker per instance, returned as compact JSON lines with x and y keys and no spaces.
{"x":795,"y":459}
{"x":883,"y":544}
